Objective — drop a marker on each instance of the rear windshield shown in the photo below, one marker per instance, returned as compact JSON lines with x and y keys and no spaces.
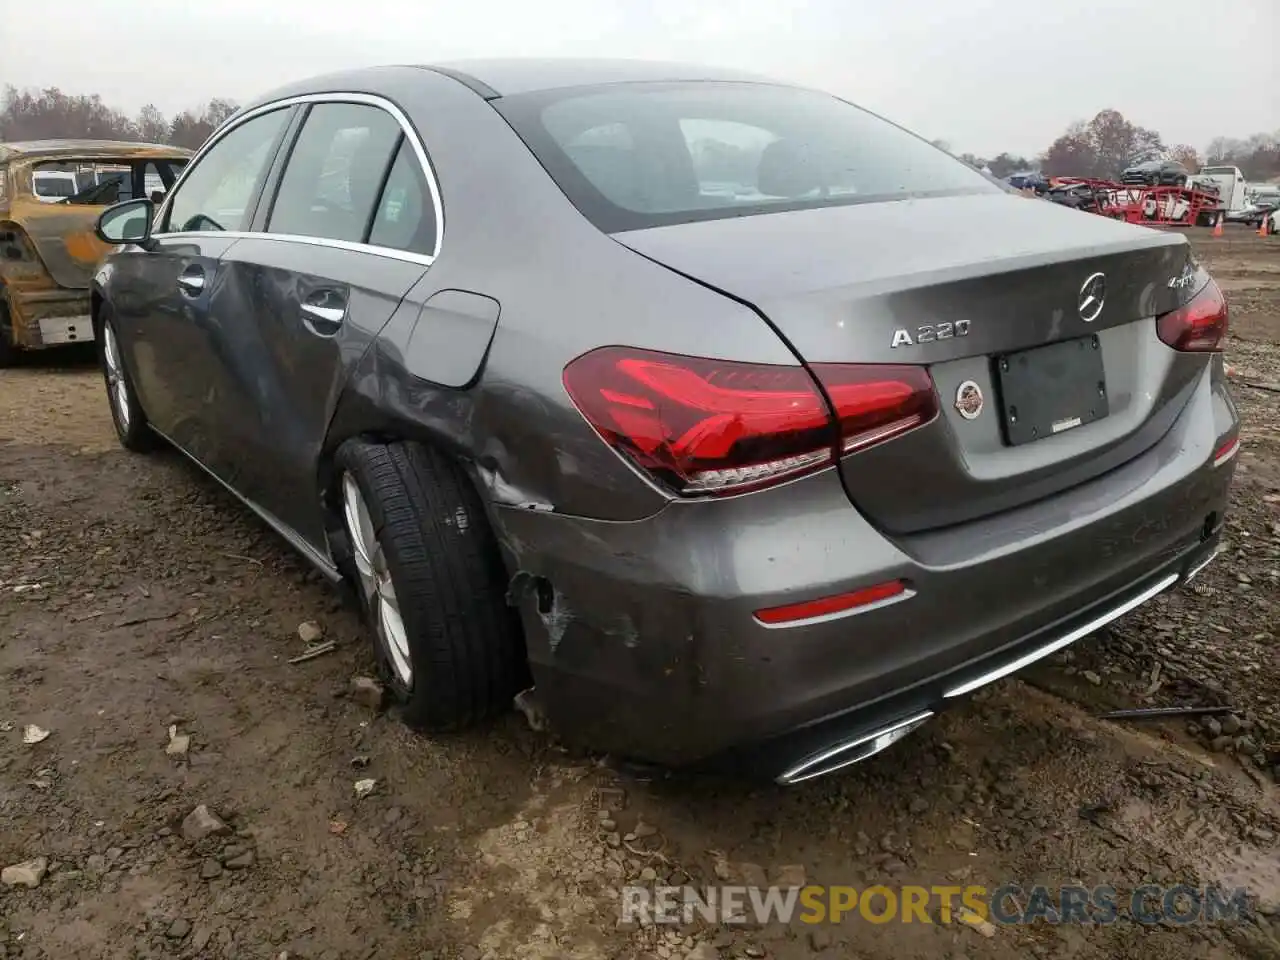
{"x":650,"y":154}
{"x":53,"y":185}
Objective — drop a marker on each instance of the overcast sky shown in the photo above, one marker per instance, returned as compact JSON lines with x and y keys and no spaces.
{"x":986,"y":76}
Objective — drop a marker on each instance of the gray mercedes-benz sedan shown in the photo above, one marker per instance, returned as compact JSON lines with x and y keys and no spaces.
{"x":746,"y":427}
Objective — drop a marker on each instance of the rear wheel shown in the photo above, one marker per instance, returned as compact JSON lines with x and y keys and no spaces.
{"x":126,"y":412}
{"x":432,"y":584}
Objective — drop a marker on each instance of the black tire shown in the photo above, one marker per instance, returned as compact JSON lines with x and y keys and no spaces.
{"x":465,"y":644}
{"x":8,"y":352}
{"x":132,"y":428}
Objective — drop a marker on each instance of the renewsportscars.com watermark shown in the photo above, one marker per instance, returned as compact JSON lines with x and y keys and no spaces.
{"x":975,"y":905}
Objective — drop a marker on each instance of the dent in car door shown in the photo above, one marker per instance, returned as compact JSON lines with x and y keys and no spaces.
{"x":298,"y":316}
{"x":161,"y":299}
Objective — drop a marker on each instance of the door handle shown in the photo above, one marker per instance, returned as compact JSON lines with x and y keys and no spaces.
{"x":328,"y":315}
{"x":191,"y":281}
{"x":324,"y":310}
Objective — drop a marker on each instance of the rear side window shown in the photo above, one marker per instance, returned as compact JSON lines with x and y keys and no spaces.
{"x":335,"y":172}
{"x":406,"y":217}
{"x":217,"y":193}
{"x":639,"y":155}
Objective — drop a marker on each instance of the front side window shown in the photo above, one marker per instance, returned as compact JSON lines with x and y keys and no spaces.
{"x":335,"y":170}
{"x":219,"y":191}
{"x":640,"y":155}
{"x":406,"y":217}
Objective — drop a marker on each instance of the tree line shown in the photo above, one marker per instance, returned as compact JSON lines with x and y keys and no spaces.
{"x":51,"y":114}
{"x":1102,"y":147}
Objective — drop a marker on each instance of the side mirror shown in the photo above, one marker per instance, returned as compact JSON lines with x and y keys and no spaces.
{"x":127,"y":222}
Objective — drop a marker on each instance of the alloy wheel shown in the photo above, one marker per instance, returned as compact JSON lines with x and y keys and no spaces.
{"x":375,"y":581}
{"x":117,"y":386}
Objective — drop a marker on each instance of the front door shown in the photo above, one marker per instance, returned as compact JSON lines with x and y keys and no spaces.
{"x":162,"y":321}
{"x":172,"y":334}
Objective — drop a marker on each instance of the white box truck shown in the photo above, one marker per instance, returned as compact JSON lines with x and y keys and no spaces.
{"x":1230,"y":184}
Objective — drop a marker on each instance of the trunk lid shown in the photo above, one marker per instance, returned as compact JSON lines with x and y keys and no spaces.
{"x":957,"y":285}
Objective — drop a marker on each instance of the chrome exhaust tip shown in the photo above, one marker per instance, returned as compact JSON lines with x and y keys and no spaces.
{"x":849,"y":752}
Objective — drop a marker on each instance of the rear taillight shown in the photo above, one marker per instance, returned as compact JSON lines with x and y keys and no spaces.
{"x":1226,"y":451}
{"x":705,"y":427}
{"x":1199,"y":324}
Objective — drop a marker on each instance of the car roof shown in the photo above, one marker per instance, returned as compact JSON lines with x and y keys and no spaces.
{"x":508,"y":76}
{"x":495,"y":78}
{"x":23,"y":149}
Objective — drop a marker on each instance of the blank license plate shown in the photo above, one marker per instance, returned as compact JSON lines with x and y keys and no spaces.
{"x":1049,"y":390}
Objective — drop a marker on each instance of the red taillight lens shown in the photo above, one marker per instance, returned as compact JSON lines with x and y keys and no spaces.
{"x":1198,"y":325}
{"x":704,"y":426}
{"x":1226,"y":451}
{"x":877,"y":401}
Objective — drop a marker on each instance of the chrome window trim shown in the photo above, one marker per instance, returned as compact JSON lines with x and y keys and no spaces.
{"x":390,"y":253}
{"x":369,"y":99}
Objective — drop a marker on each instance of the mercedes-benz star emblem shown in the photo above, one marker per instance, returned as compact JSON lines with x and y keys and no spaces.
{"x":1093,"y":293}
{"x":969,"y":400}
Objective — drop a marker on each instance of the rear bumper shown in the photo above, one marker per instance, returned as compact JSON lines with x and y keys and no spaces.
{"x":643,"y":641}
{"x":48,"y":318}
{"x":847,"y":738}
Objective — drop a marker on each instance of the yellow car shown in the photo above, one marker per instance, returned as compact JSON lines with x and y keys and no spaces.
{"x":51,"y":194}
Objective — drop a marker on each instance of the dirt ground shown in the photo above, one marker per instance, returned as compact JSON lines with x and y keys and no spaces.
{"x":136,"y":596}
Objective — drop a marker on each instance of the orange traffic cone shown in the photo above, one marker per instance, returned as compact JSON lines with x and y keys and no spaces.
{"x":1217,"y":226}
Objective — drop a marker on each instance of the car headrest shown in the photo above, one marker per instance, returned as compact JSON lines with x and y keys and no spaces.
{"x":787,"y":169}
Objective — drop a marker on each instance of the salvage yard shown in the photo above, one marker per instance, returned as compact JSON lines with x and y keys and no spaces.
{"x":147,"y":624}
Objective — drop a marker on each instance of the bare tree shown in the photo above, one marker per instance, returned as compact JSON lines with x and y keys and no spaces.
{"x":151,"y":124}
{"x":1257,"y":156}
{"x":38,"y":115}
{"x":191,"y":129}
{"x":1072,"y":154}
{"x":50,"y":113}
{"x":1100,"y":148}
{"x":1186,"y":155}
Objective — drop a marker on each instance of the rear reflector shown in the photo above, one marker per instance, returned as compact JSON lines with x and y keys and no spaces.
{"x":714,"y":427}
{"x":829,"y":606}
{"x":1198,"y":325}
{"x":1226,"y":452}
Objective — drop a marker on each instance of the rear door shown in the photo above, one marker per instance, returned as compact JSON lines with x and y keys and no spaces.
{"x":352,"y":226}
{"x":164,"y":295}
